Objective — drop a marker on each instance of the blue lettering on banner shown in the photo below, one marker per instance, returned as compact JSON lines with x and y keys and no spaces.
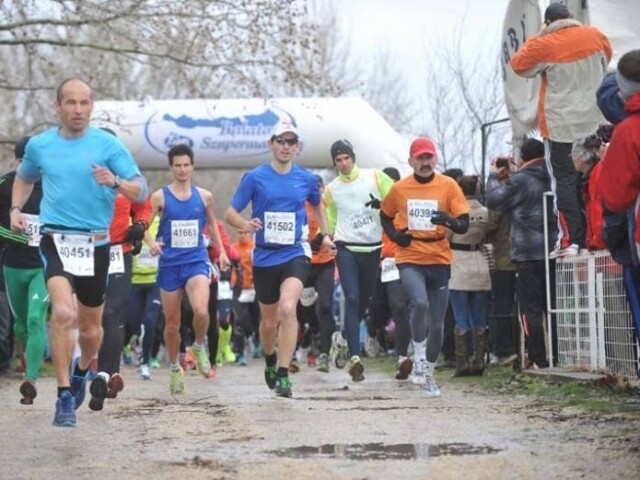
{"x":515,"y":38}
{"x":246,"y":134}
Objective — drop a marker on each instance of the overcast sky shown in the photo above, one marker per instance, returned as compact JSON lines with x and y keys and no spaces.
{"x":405,"y":27}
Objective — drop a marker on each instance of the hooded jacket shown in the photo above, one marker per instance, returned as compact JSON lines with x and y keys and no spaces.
{"x":620,"y":176}
{"x":521,"y":197}
{"x":572,"y":59}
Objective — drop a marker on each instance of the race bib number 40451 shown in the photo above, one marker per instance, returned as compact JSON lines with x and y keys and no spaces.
{"x":280,"y":227}
{"x":76,"y":253}
{"x":419,"y":214}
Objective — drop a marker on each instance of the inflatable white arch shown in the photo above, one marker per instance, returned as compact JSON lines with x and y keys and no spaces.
{"x":233,"y":133}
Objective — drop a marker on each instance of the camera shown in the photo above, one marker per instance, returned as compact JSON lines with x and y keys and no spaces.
{"x":502,"y":163}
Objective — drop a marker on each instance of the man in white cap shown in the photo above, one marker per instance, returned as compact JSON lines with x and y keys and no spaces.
{"x":277,"y":192}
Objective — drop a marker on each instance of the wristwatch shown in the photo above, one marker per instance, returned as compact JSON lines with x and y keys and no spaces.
{"x":117,"y":181}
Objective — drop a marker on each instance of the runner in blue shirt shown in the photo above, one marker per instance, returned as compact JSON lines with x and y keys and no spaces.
{"x":281,"y":260}
{"x":82,"y":169}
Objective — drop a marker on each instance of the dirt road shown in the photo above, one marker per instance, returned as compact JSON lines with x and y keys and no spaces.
{"x":233,"y":427}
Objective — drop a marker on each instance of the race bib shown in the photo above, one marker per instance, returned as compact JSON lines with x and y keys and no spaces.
{"x":248,"y":295}
{"x":116,"y":259}
{"x":33,"y":229}
{"x":362,"y":222}
{"x":308,"y":296}
{"x":419,"y":214}
{"x":184,"y":233}
{"x":224,"y":291}
{"x":76,"y":253}
{"x":280,"y":228}
{"x":388,"y":270}
{"x":145,"y":259}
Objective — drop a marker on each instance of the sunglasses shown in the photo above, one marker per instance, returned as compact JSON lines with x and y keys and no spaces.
{"x":286,"y":141}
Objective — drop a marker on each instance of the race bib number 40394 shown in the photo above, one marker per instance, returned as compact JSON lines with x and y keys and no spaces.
{"x":419,"y":214}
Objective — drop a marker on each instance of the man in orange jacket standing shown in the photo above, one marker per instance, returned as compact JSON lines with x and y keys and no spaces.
{"x":572,"y":59}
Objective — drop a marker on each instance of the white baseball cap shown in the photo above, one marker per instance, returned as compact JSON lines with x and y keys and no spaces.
{"x":283,"y":126}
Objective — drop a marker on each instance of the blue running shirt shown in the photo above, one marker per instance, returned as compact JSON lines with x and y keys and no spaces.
{"x":71,"y":196}
{"x":278,"y":201}
{"x":181,"y":226}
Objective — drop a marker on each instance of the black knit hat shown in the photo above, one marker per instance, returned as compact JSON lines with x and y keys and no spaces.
{"x":531,"y":148}
{"x":342,"y":146}
{"x":20,"y":147}
{"x":392,"y":173}
{"x":556,"y":11}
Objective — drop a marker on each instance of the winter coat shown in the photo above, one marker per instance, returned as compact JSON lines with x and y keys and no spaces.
{"x":572,"y":59}
{"x":521,"y":195}
{"x":469,"y":269}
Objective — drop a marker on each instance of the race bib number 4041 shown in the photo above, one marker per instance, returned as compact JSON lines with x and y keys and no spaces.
{"x":419,"y":214}
{"x":76,"y":253}
{"x":280,"y":227}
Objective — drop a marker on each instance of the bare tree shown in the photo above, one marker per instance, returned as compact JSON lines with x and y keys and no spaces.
{"x":463,"y":94}
{"x":128,"y":49}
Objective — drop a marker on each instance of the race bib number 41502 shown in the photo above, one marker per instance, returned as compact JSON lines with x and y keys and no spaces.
{"x":280,"y":227}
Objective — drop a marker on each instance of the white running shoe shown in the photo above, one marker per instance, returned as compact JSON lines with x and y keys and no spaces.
{"x":419,"y":372}
{"x":145,"y":373}
{"x":372,"y":347}
{"x":430,"y":387}
{"x":339,"y":352}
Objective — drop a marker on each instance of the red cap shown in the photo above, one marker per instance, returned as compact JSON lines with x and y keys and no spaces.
{"x":422,"y":145}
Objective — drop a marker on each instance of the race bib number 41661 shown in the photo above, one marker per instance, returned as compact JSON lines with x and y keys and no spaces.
{"x":184,"y":233}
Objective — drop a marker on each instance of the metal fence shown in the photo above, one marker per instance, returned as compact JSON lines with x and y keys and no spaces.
{"x":593,"y":318}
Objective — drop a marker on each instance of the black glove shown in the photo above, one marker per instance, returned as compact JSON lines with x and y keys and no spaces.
{"x":441,"y":218}
{"x":135,"y":232}
{"x":137,"y":246}
{"x":316,"y":243}
{"x":225,"y":275}
{"x":373,"y":203}
{"x":401,"y":237}
{"x":457,"y":225}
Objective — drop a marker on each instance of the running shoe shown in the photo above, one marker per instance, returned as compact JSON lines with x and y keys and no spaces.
{"x":339,"y":350}
{"x":419,"y":372}
{"x":98,"y":390}
{"x":28,"y":392}
{"x":372,"y":347}
{"x":127,"y":355}
{"x":242,"y":360}
{"x":65,"y":415}
{"x":154,"y":363}
{"x":78,"y":384}
{"x":430,"y":387}
{"x":356,"y":369}
{"x":403,"y":368}
{"x":294,"y":366}
{"x":312,"y":360}
{"x":270,"y":376}
{"x":323,"y":363}
{"x":202,"y":360}
{"x":116,"y":385}
{"x":283,"y":387}
{"x":145,"y":373}
{"x":176,"y":382}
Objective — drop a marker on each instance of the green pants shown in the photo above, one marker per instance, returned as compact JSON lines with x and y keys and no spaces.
{"x":29,"y":301}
